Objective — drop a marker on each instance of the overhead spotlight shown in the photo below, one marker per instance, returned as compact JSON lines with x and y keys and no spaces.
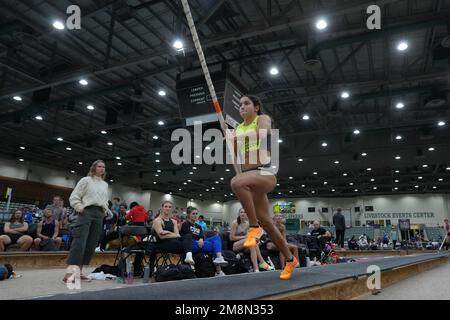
{"x":325,"y":182}
{"x":416,"y":186}
{"x":398,"y":137}
{"x":364,"y":154}
{"x":155,"y":137}
{"x":207,"y":148}
{"x":336,"y":162}
{"x":402,"y":46}
{"x":313,"y":191}
{"x":333,"y":190}
{"x":397,"y":171}
{"x":178,"y":44}
{"x":396,"y":181}
{"x":395,"y":188}
{"x":90,"y":107}
{"x":190,"y":172}
{"x":158,"y":170}
{"x":420,"y":178}
{"x":424,"y":166}
{"x":80,"y":163}
{"x":345,"y":95}
{"x":303,"y":186}
{"x":300,"y":159}
{"x":157,"y":153}
{"x":109,"y":143}
{"x":161,"y":123}
{"x":441,"y":123}
{"x":274,"y":71}
{"x":22,"y":148}
{"x":369,"y":169}
{"x":21,"y":160}
{"x":38,"y":117}
{"x":372,"y":180}
{"x":397,"y":157}
{"x":157,"y":161}
{"x":440,"y":179}
{"x":321,"y":24}
{"x":68,"y":148}
{"x":162,"y":93}
{"x":280,"y":141}
{"x":374,"y":188}
{"x":356,"y":190}
{"x":431,"y":149}
{"x":60,"y":139}
{"x":154,"y":182}
{"x":72,"y":171}
{"x":345,"y":174}
{"x":119,"y":163}
{"x":103,"y":132}
{"x":83,"y":82}
{"x":351,"y":183}
{"x":305,"y":117}
{"x":315,"y":173}
{"x":17,"y":98}
{"x":400,"y":105}
{"x":227,"y":170}
{"x":290,"y":178}
{"x":324,"y":144}
{"x":448,"y":168}
{"x":434,"y":187}
{"x":356,"y":132}
{"x":58,"y":25}
{"x":189,"y":181}
{"x":290,"y":191}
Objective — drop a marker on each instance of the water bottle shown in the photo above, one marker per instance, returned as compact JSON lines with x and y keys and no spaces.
{"x":270,"y":263}
{"x":130,"y":275}
{"x":146,"y":274}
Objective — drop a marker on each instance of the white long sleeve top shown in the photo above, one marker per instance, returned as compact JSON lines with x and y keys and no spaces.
{"x":89,"y":191}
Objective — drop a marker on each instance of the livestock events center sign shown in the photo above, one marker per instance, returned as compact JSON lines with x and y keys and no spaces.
{"x":399,"y":215}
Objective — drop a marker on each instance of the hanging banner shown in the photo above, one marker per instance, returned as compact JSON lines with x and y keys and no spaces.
{"x":284,"y":207}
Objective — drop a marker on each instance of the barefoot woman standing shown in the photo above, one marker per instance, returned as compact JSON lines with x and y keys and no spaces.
{"x":257,"y":179}
{"x":90,"y":200}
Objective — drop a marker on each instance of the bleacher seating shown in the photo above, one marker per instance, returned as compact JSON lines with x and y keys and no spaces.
{"x":434,"y":233}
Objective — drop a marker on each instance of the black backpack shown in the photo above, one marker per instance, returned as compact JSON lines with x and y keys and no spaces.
{"x":204,"y":266}
{"x":173,"y":272}
{"x":48,"y":245}
{"x":245,"y":264}
{"x":233,"y":263}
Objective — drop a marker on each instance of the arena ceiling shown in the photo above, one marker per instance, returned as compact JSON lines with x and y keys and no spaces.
{"x":124,"y":50}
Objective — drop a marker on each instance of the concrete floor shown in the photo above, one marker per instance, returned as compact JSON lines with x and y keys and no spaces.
{"x":433,"y":284}
{"x":430,"y":285}
{"x":42,"y":282}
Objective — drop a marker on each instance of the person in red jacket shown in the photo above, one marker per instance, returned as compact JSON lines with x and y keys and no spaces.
{"x":137,"y":214}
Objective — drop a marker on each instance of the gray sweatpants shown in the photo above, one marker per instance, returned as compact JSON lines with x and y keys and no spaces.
{"x":86,"y":234}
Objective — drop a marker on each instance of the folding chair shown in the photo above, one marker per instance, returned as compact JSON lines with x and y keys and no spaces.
{"x":127,"y":231}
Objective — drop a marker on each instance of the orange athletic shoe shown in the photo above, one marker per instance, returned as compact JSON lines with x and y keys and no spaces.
{"x":286,"y":274}
{"x":253,"y":235}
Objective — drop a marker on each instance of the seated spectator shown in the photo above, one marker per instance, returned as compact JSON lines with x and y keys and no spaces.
{"x":15,"y":232}
{"x":278,"y":219}
{"x":201,"y":222}
{"x":48,"y":228}
{"x":238,"y":235}
{"x":109,"y":231}
{"x":137,"y":215}
{"x":27,"y":215}
{"x":211,"y":244}
{"x":353,"y":244}
{"x":167,"y":235}
{"x":122,"y":214}
{"x":320,"y":233}
{"x":363,"y":243}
